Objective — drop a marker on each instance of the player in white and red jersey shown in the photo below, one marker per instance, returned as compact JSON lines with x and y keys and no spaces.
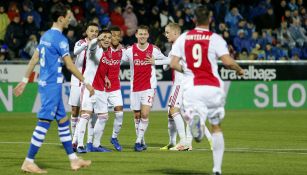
{"x":114,"y":95}
{"x":143,"y":81}
{"x":203,"y":95}
{"x":95,"y":69}
{"x":75,"y":88}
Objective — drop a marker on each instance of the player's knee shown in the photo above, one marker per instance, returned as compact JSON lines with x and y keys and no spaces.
{"x":63,"y":120}
{"x":173,"y":111}
{"x":216,"y":128}
{"x":74,"y":111}
{"x":137,"y":114}
{"x":85,"y":116}
{"x":144,"y":115}
{"x":118,"y":108}
{"x":103,"y":116}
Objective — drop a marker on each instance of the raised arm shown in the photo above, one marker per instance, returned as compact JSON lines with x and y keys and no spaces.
{"x":79,"y":47}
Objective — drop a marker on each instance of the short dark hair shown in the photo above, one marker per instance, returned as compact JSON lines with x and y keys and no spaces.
{"x":202,"y":15}
{"x":114,"y":28}
{"x":144,"y":27}
{"x":58,"y":10}
{"x":92,"y":24}
{"x":105,"y":31}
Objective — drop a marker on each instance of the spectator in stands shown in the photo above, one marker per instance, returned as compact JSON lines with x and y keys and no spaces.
{"x":78,"y":12}
{"x":267,"y":21}
{"x":117,"y":19}
{"x":143,"y":16}
{"x":30,"y":28}
{"x":241,"y":41}
{"x":168,"y":6}
{"x":298,"y":33}
{"x":130,"y":20}
{"x":282,"y":52}
{"x":42,"y":9}
{"x":287,"y":17}
{"x":284,"y":37}
{"x":258,"y":53}
{"x":265,"y":38}
{"x":165,"y":18}
{"x":3,"y":52}
{"x":292,"y":5}
{"x":220,"y":10}
{"x":222,"y":27}
{"x":188,"y":18}
{"x":14,"y":37}
{"x":270,"y":52}
{"x":243,"y":55}
{"x":232,"y":18}
{"x":280,"y":11}
{"x":13,"y":10}
{"x":154,"y":15}
{"x":113,"y":4}
{"x":4,"y":22}
{"x":30,"y":47}
{"x":28,"y":10}
{"x":254,"y":39}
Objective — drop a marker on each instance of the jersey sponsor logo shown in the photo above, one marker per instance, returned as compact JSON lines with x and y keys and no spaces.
{"x":110,"y":62}
{"x":251,"y":73}
{"x":138,"y":62}
{"x":46,"y":43}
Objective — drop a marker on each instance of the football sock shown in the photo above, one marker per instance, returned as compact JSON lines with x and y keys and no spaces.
{"x":37,"y":139}
{"x":136,"y":125}
{"x":189,"y":137}
{"x":65,"y":137}
{"x":207,"y":133}
{"x":73,"y":121}
{"x":90,"y":131}
{"x":218,"y":151}
{"x":99,"y":128}
{"x":81,"y":128}
{"x":118,"y":121}
{"x":172,"y":132}
{"x":180,"y":127}
{"x":142,"y":129}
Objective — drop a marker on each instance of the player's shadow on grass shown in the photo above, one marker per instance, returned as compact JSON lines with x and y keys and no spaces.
{"x":177,"y":171}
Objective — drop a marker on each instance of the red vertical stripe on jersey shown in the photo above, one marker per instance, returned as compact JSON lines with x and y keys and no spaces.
{"x":142,"y":70}
{"x":195,"y":42}
{"x":114,"y":68}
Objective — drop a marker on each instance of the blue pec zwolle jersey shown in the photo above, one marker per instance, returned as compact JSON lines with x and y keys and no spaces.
{"x":53,"y":46}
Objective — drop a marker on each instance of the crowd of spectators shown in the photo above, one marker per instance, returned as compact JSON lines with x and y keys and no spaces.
{"x":254,"y":30}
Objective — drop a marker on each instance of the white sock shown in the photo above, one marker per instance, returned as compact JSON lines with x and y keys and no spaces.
{"x":180,"y":127}
{"x":172,"y":132}
{"x":90,"y":131}
{"x":73,"y":124}
{"x":136,"y":125}
{"x":218,"y":151}
{"x":81,"y":128}
{"x":117,"y":125}
{"x":142,"y":129}
{"x":72,"y":156}
{"x":99,"y":128}
{"x":208,"y":133}
{"x":189,"y":137}
{"x":75,"y":135}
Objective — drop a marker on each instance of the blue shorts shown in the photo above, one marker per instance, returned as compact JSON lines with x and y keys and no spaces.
{"x":52,"y":103}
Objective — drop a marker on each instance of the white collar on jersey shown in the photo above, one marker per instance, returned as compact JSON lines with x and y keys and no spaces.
{"x":199,"y":28}
{"x":54,"y":28}
{"x":142,"y":49}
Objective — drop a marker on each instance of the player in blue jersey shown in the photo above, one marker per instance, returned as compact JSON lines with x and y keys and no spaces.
{"x":51,"y":53}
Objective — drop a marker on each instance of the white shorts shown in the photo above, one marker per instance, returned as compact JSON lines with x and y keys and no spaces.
{"x":175,"y":99}
{"x":142,"y":98}
{"x":98,"y":102}
{"x":207,"y":101}
{"x":115,"y":98}
{"x":74,"y":96}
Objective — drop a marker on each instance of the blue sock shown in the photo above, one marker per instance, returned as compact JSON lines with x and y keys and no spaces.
{"x":65,"y":137}
{"x":38,"y":138}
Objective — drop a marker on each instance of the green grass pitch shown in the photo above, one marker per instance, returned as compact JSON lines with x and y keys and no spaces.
{"x":257,"y":142}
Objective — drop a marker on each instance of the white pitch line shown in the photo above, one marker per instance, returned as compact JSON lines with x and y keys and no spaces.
{"x":247,"y":150}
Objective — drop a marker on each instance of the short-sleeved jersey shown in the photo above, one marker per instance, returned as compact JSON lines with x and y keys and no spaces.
{"x":102,"y":71}
{"x":80,"y":60}
{"x":53,"y":47}
{"x":199,"y":50}
{"x":114,"y":68}
{"x":143,"y":75}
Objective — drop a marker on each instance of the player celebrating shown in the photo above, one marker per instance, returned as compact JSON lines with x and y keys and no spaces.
{"x":98,"y":103}
{"x":143,"y":82}
{"x":203,"y":94}
{"x":52,"y":50}
{"x":114,"y":94}
{"x":75,"y":90}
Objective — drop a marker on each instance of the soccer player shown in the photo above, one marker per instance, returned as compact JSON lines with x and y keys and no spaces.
{"x":52,"y":51}
{"x":143,"y":82}
{"x":203,"y":94}
{"x":114,"y":94}
{"x":75,"y":90}
{"x":98,"y":103}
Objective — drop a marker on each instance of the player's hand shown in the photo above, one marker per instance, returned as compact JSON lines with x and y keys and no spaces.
{"x":90,"y":89}
{"x":240,"y":72}
{"x":150,"y":60}
{"x":107,"y":83}
{"x":18,"y":90}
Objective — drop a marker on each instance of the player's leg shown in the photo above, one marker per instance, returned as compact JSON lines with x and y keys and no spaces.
{"x":100,"y":107}
{"x":145,"y":109}
{"x":135,"y":106}
{"x":175,"y":113}
{"x":74,"y":101}
{"x":208,"y":136}
{"x":90,"y":132}
{"x":115,"y":99}
{"x":50,"y":99}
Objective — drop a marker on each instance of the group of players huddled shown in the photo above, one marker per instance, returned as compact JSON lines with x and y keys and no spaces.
{"x":197,"y":92}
